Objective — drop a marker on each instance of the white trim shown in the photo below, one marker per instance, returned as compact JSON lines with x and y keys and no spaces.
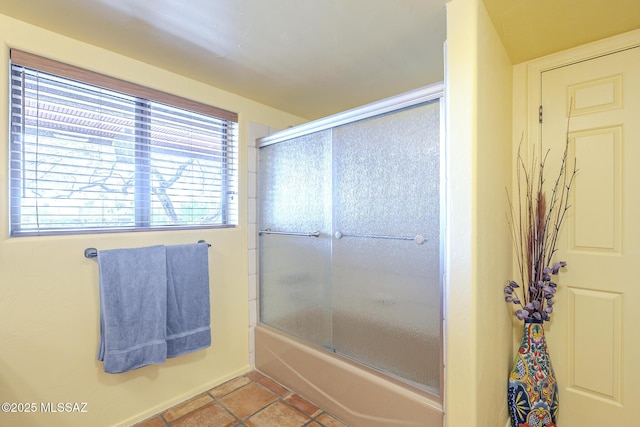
{"x":403,"y":100}
{"x":444,"y":230}
{"x":567,"y":57}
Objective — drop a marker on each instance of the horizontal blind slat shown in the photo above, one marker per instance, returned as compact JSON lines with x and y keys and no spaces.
{"x":78,"y":153}
{"x":29,"y":60}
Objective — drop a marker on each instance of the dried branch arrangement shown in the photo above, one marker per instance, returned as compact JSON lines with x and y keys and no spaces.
{"x":535,"y":222}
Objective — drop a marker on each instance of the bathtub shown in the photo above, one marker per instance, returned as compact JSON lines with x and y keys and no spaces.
{"x":360,"y":396}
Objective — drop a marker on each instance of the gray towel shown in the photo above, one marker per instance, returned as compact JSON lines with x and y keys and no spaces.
{"x":188,"y":318}
{"x":133,"y":307}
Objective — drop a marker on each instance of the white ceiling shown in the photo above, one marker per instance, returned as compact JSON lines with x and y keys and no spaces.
{"x":313,"y":58}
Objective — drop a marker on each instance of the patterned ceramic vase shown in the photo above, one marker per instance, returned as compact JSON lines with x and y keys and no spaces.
{"x":533,"y":392}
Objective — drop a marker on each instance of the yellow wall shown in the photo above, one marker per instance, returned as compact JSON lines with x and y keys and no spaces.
{"x":460,"y":295}
{"x":494,"y":267}
{"x":49,"y":303}
{"x":479,"y":329}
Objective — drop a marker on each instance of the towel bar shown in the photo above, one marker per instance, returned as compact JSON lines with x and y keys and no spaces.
{"x":93,"y":252}
{"x":419,"y":239}
{"x":290,"y":233}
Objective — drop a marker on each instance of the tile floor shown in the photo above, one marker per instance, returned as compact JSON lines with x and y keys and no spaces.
{"x":251,"y":400}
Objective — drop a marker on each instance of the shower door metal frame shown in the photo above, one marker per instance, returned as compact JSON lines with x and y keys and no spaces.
{"x":408,"y":99}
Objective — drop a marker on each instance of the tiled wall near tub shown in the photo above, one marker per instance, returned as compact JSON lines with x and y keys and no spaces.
{"x":255,"y":131}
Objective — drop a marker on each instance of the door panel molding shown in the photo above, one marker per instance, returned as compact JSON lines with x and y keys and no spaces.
{"x":596,"y":95}
{"x":535,"y":68}
{"x":600,"y":152}
{"x":602,"y":337}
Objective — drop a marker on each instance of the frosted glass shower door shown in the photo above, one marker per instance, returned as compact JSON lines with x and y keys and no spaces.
{"x":295,"y":266}
{"x":386,"y":281}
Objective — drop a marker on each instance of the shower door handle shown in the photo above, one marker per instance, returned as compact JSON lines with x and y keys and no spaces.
{"x":290,"y":233}
{"x":419,"y":239}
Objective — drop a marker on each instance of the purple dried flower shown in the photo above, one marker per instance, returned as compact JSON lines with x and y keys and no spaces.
{"x":557,"y":266}
{"x":520,"y":314}
{"x":508,"y":290}
{"x":508,"y":299}
{"x":549,"y":309}
{"x":535,"y":220}
{"x":513,"y":284}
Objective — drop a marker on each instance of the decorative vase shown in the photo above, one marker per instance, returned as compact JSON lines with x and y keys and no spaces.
{"x":533,"y":391}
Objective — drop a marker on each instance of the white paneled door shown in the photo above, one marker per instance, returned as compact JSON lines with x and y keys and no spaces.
{"x":594,"y":334}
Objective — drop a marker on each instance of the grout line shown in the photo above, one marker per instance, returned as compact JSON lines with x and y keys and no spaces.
{"x":166,"y":423}
{"x":240,"y":422}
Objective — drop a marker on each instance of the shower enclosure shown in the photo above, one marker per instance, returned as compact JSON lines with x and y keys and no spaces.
{"x":351,"y":232}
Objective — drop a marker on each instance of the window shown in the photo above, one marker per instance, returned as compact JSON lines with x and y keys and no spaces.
{"x":91,"y":153}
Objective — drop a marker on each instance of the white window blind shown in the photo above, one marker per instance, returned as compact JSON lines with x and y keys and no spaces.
{"x":86,"y":156}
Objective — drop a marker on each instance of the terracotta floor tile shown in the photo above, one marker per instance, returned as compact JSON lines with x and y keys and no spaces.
{"x":247,"y":400}
{"x":251,"y":400}
{"x":186,"y":407}
{"x":156,"y":421}
{"x":328,"y":421}
{"x":209,"y":416}
{"x":302,"y":404}
{"x":255,"y":375}
{"x":278,"y":414}
{"x":273,"y":386}
{"x":229,"y":386}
